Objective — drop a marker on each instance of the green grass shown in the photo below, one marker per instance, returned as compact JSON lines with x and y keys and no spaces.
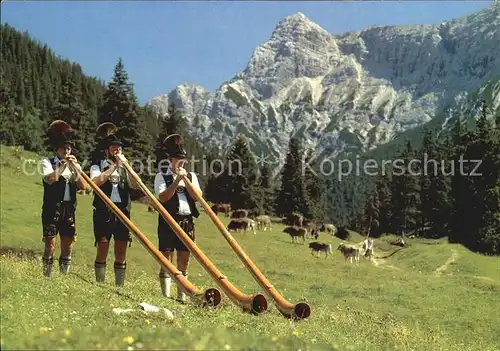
{"x":401,"y":304}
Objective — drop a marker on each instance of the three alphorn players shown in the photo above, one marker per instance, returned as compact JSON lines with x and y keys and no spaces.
{"x":107,"y":172}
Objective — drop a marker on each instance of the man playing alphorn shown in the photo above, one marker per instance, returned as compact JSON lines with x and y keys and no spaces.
{"x":60,"y":185}
{"x":108,"y":173}
{"x":179,"y":201}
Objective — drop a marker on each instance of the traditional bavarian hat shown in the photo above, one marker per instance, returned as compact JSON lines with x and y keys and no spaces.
{"x":173,"y":147}
{"x":106,"y":135}
{"x":60,"y":133}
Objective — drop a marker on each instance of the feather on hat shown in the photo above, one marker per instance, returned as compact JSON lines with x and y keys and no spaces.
{"x":59,"y":133}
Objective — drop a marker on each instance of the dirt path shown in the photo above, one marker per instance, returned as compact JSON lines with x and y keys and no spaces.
{"x":453,"y":258}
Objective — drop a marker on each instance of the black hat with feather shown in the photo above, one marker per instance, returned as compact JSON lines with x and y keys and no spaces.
{"x":106,"y":135}
{"x":59,"y":134}
{"x":173,"y":147}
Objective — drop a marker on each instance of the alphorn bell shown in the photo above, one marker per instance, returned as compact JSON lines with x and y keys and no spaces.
{"x":256,"y":303}
{"x":210,"y":297}
{"x":300,"y":310}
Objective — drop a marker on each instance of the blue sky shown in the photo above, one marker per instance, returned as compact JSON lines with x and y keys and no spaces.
{"x":164,"y":44}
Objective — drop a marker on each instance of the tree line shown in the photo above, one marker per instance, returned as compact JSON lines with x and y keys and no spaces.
{"x":458,"y":197}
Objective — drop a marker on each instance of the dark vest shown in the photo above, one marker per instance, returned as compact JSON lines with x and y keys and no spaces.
{"x":107,"y":188}
{"x":172,"y":205}
{"x":53,"y":194}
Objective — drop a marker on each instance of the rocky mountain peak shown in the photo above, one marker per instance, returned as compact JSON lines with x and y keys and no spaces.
{"x":350,"y":92}
{"x":295,"y":27}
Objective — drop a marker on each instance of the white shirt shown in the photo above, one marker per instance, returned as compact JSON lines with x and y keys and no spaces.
{"x":66,"y":174}
{"x":161,"y":186}
{"x":114,"y":179}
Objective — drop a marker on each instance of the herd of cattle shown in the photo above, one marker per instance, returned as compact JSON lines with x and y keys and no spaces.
{"x":297,"y":227}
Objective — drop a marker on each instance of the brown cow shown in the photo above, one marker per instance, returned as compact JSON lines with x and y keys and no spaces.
{"x":296,"y":232}
{"x":349,"y":251}
{"x":318,"y":247}
{"x":225,"y":208}
{"x":311,"y":228}
{"x":239,"y":214}
{"x":329,"y":228}
{"x":242,"y":223}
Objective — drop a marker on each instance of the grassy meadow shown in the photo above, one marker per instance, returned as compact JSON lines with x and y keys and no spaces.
{"x":429,"y":296}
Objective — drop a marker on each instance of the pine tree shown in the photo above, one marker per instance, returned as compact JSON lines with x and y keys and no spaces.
{"x":10,"y":115}
{"x":314,"y":189}
{"x":121,"y":107}
{"x":242,"y":175}
{"x":487,"y":187}
{"x":385,"y":212}
{"x":267,"y":190}
{"x":291,"y":194}
{"x":171,"y":123}
{"x":459,"y":192}
{"x":70,"y":109}
{"x":433,"y":189}
{"x":372,"y":215}
{"x":405,"y":197}
{"x":30,"y":135}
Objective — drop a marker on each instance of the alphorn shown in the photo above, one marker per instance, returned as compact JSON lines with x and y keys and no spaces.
{"x":300,"y":310}
{"x":210,"y":297}
{"x":256,"y":303}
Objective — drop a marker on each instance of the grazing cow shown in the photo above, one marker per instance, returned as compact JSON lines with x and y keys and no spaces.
{"x":311,"y":228}
{"x":250,"y":224}
{"x":294,"y":219}
{"x":242,"y":224}
{"x":296,"y":232}
{"x":318,"y":247}
{"x":329,"y":228}
{"x":263,"y":222}
{"x":349,"y":251}
{"x":239,"y":214}
{"x":235,"y":225}
{"x":225,"y":208}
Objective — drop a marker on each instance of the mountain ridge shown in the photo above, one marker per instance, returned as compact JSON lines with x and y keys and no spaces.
{"x":353,"y":91}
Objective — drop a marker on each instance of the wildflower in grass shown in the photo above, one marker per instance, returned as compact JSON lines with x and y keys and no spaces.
{"x":44,"y":329}
{"x":128,"y":339}
{"x":227,"y":347}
